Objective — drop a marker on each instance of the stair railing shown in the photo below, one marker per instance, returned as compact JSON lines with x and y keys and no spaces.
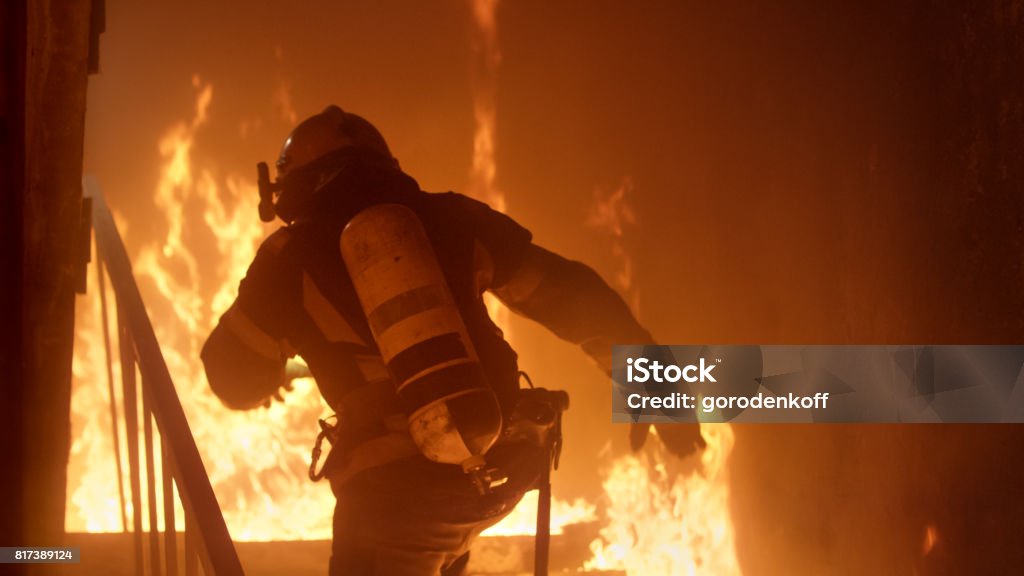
{"x":207,"y":543}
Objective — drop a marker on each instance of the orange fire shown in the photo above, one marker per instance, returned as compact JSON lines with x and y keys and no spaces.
{"x":660,"y":519}
{"x":523,"y":520}
{"x":485,"y":83}
{"x":931,"y":538}
{"x":93,"y":505}
{"x":482,"y":184}
{"x":665,"y":520}
{"x":613,"y":214}
{"x":256,"y":460}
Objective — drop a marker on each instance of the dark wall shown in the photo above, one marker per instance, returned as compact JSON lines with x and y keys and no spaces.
{"x":12,"y":178}
{"x":858,"y":499}
{"x":46,"y":63}
{"x":803,"y":173}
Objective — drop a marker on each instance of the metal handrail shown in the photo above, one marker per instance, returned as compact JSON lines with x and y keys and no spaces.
{"x":211,"y":540}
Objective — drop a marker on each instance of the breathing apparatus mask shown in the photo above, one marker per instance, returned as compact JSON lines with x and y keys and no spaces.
{"x":287,"y":196}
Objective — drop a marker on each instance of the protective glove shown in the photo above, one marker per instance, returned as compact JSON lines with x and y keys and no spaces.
{"x":682,"y":439}
{"x":292,"y":371}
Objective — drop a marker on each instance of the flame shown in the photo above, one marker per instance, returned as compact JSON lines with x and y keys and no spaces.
{"x":931,"y":538}
{"x":482,"y":185}
{"x":523,"y":519}
{"x":256,"y":460}
{"x":663,"y":520}
{"x":95,"y":504}
{"x":613,"y":214}
{"x":485,"y":85}
{"x":660,"y":520}
{"x":283,"y":93}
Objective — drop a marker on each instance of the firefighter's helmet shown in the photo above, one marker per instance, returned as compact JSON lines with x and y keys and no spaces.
{"x":311,"y":154}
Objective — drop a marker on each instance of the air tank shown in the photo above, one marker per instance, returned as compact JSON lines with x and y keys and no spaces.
{"x":454,"y":415}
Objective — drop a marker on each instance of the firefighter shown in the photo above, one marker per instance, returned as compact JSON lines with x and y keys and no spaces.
{"x":402,"y":509}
